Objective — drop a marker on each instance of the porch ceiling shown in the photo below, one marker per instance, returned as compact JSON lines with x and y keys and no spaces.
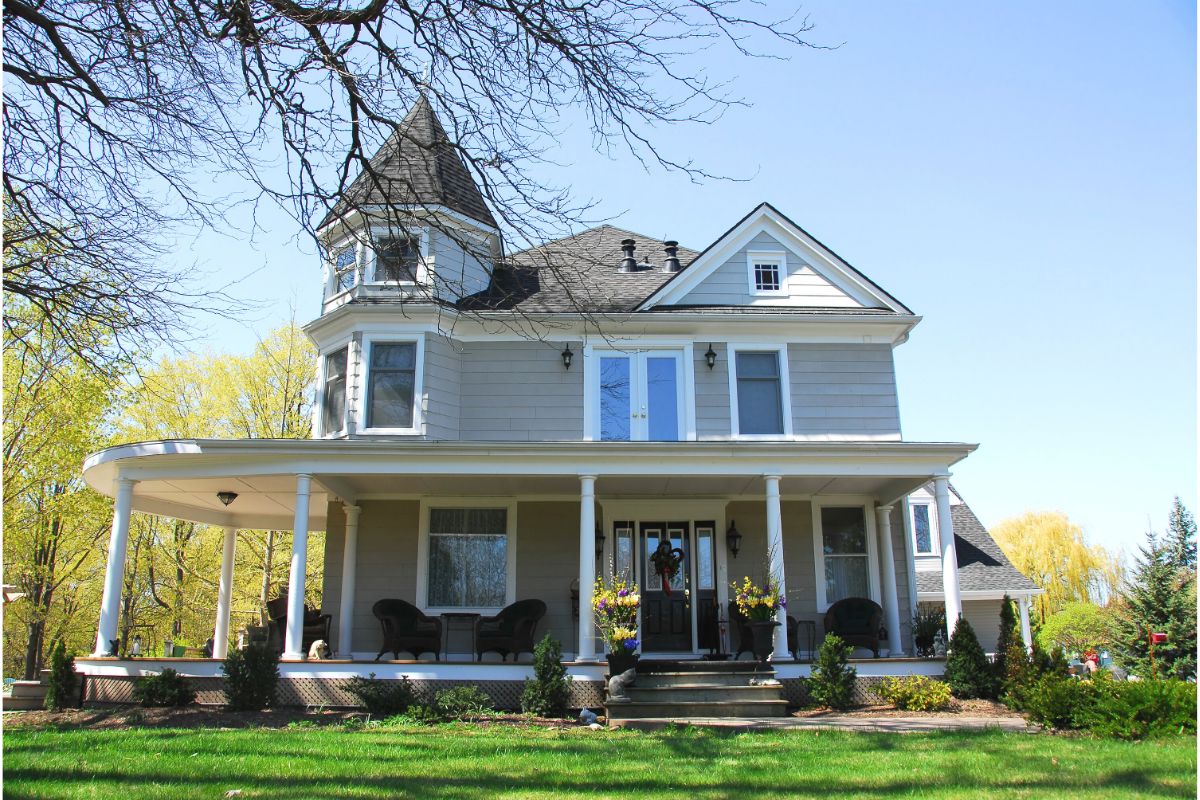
{"x":182,"y":478}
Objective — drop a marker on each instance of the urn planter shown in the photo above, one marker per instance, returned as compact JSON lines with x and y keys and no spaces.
{"x":763,"y":638}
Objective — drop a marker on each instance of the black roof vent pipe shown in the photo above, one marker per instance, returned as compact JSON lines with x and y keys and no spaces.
{"x":672,"y":263}
{"x":628,"y":263}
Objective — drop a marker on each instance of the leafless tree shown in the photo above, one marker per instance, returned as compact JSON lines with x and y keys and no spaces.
{"x":119,"y":113}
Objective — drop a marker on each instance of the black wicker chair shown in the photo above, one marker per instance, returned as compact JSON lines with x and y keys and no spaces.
{"x":857,"y":621}
{"x":407,"y":629}
{"x":510,"y":631}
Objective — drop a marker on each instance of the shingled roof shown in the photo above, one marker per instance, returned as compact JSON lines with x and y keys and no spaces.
{"x":417,"y":165}
{"x":578,"y":273}
{"x":982,"y":565}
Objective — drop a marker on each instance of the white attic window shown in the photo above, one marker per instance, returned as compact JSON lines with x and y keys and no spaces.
{"x":767,"y":272}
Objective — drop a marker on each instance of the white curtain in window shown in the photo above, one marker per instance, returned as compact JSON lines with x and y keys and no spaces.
{"x":468,"y":557}
{"x":844,"y":539}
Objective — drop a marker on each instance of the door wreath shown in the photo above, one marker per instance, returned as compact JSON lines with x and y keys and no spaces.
{"x":666,"y":561}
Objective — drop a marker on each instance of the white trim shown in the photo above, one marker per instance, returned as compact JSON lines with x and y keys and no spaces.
{"x":868,"y":508}
{"x":785,"y":392}
{"x":980,"y":594}
{"x":935,"y":542}
{"x":370,"y":256}
{"x":775,"y":258}
{"x":509,"y":504}
{"x":364,"y":407}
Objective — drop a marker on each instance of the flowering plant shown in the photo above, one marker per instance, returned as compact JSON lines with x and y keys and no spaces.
{"x":615,"y":607}
{"x":758,"y":603}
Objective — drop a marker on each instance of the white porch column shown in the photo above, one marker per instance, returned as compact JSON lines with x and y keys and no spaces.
{"x":294,"y":640}
{"x":349,"y":576}
{"x":941,"y":491}
{"x":114,"y":573}
{"x":1026,"y":633}
{"x":224,"y":594}
{"x":891,"y":597}
{"x":587,"y":566}
{"x":775,"y":562}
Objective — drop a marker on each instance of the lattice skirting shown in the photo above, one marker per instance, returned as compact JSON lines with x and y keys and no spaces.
{"x":795,"y":690}
{"x":331,"y":692}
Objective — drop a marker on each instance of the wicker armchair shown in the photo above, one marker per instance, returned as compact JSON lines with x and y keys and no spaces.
{"x":407,"y":629}
{"x":857,"y":621}
{"x":316,"y":624}
{"x":510,"y":631}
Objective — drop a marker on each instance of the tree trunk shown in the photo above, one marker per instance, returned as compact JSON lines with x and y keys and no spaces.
{"x":33,"y":650}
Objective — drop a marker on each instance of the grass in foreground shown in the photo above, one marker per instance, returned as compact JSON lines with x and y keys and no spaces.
{"x":467,"y":761}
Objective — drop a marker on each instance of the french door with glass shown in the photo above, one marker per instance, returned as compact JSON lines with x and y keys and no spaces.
{"x":640,"y":396}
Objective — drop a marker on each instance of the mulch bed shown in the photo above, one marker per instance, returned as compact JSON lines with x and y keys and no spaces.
{"x":122,"y":717}
{"x":966,"y":708}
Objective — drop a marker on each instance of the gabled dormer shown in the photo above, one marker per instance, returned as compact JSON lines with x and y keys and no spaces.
{"x":413,"y":226}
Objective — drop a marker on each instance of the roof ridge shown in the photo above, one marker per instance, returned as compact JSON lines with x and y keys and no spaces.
{"x":593,"y":229}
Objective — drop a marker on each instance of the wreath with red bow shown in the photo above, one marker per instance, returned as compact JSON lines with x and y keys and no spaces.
{"x":666,"y":561}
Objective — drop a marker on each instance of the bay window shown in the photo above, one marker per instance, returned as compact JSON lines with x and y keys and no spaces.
{"x":397,"y":259}
{"x":391,"y":384}
{"x":333,"y":419}
{"x":345,"y":268}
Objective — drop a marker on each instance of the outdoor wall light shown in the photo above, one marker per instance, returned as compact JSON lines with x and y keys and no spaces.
{"x":567,"y":355}
{"x":710,"y":357}
{"x":733,"y":539}
{"x":227,"y":497}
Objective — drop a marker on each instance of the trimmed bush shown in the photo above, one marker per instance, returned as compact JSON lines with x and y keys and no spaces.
{"x":1054,"y":700}
{"x":462,"y":703}
{"x":251,"y":678}
{"x":1137,"y":709}
{"x":383,"y":698}
{"x":168,"y":688}
{"x":548,"y":694}
{"x":915,"y":693}
{"x":1009,"y":636}
{"x":832,"y":682}
{"x":968,"y":670}
{"x":62,"y":684}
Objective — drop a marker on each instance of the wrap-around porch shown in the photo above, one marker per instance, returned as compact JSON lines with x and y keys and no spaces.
{"x":826,"y":519}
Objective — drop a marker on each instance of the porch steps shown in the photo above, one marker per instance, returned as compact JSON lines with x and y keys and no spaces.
{"x":699,"y":689}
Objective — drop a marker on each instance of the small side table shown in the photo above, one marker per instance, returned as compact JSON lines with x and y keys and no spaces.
{"x":806,"y":633}
{"x":462,"y":619}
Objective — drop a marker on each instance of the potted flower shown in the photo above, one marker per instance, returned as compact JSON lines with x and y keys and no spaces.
{"x":759,"y":604}
{"x":615,"y":607}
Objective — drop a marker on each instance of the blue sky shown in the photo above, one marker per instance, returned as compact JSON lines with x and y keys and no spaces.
{"x":1023,"y":175}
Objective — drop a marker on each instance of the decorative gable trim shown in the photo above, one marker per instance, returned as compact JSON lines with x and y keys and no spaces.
{"x":766,"y":218}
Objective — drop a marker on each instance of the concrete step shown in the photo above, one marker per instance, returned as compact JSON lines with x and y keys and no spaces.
{"x":726,"y":678}
{"x":653,"y":665}
{"x":638,"y":709}
{"x":703,"y":693}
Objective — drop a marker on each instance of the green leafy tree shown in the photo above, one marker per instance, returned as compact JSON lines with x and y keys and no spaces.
{"x":967,"y":668}
{"x":1159,"y":599}
{"x":1077,"y":628}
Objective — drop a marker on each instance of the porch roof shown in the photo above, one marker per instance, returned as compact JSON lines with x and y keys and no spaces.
{"x":181,"y":477}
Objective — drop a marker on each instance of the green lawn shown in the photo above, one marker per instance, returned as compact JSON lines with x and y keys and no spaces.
{"x":465,"y":761}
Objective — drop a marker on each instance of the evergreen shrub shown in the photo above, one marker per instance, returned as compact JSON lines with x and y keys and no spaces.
{"x":548,"y":694}
{"x":381,"y":697}
{"x":968,"y":670}
{"x":168,"y":688}
{"x":63,"y":682}
{"x":251,"y":678}
{"x":832,"y":681}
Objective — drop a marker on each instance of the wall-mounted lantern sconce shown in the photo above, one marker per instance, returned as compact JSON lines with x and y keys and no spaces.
{"x":733,"y":539}
{"x":599,"y":542}
{"x":227,"y":497}
{"x":710,"y":357}
{"x":567,"y":355}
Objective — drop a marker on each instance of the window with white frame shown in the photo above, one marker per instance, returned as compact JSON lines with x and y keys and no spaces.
{"x":844,"y":551}
{"x":391,"y":384}
{"x":759,"y":393}
{"x":334,"y":400}
{"x":767,"y":271}
{"x":397,"y":259}
{"x":468,"y":557}
{"x":345,"y":268}
{"x":924,"y":529}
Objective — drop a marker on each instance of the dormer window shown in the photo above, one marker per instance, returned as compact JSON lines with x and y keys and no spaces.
{"x":345,"y":264}
{"x":767,"y":273}
{"x":397,"y":259}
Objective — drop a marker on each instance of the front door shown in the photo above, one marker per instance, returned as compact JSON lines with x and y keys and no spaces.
{"x":666,"y":616}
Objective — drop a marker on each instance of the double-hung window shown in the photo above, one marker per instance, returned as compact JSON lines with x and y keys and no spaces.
{"x":760,"y":408}
{"x":333,"y":418}
{"x":924,"y":529}
{"x":468,"y":557}
{"x":391,"y":385}
{"x":397,"y":259}
{"x":845,"y":553}
{"x":345,"y":268}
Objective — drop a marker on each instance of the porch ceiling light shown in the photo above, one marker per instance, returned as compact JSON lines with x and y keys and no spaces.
{"x":733,"y":539}
{"x":567,"y":355}
{"x":227,"y":497}
{"x":710,"y":357}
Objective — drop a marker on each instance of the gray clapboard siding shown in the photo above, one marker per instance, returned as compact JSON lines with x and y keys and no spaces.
{"x":712,"y":392}
{"x":843,"y":390}
{"x":440,"y":404}
{"x":519,"y":391}
{"x":729,"y":284}
{"x":547,"y":561}
{"x":984,"y":616}
{"x":459,"y":266}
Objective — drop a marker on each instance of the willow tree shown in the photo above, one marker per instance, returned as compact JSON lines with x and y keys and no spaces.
{"x":1051,"y":550}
